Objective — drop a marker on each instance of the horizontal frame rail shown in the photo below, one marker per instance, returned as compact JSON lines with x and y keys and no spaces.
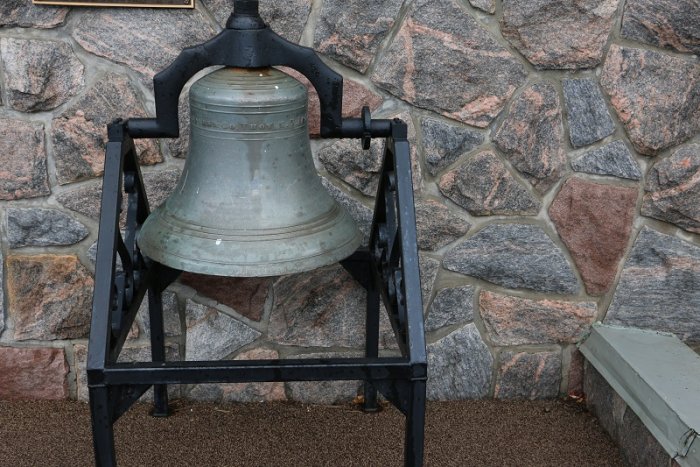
{"x":235,"y":371}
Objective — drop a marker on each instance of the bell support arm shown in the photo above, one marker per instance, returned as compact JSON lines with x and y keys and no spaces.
{"x":393,"y":250}
{"x":119,"y":289}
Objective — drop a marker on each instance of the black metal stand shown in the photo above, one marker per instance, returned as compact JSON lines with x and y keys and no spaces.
{"x":388,"y":269}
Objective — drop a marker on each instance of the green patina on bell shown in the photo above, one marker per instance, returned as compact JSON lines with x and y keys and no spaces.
{"x":249,"y":201}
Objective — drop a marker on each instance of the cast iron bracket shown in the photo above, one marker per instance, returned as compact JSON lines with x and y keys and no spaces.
{"x":387,"y":268}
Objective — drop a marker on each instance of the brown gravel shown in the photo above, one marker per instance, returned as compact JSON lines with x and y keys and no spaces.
{"x":468,"y":433}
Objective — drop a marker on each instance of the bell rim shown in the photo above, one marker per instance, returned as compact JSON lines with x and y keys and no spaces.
{"x":263,"y":268}
{"x":315,"y":225}
{"x":208,"y":264}
{"x":266,"y":268}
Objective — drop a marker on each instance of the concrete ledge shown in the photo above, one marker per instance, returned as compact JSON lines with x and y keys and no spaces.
{"x":658,"y":378}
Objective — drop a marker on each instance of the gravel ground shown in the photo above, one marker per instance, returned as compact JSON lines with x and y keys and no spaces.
{"x":465,"y":433}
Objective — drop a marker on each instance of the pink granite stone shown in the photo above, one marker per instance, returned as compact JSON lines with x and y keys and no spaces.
{"x":673,"y":189}
{"x":23,"y":160}
{"x":595,"y":223}
{"x":40,"y":75}
{"x":24,"y":14}
{"x":245,"y":295}
{"x":443,"y":60}
{"x":33,"y":373}
{"x":575,"y":385}
{"x":656,"y":96}
{"x":49,"y":296}
{"x":564,"y":34}
{"x":351,"y":31}
{"x":79,"y":133}
{"x":521,"y":321}
{"x":355,"y":96}
{"x":436,"y":225}
{"x":157,"y":35}
{"x":531,"y":136}
{"x":671,"y":24}
{"x":523,"y":375}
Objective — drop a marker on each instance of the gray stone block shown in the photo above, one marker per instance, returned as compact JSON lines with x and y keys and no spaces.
{"x":131,"y":353}
{"x":637,"y":445}
{"x":603,"y":401}
{"x":587,"y":113}
{"x":242,"y":392}
{"x":443,"y":143}
{"x":612,"y":159}
{"x":436,"y":226}
{"x":483,"y":186}
{"x":514,"y":256}
{"x":42,"y":227}
{"x":489,"y":6}
{"x":172,"y":326}
{"x":85,"y":199}
{"x":213,"y":335}
{"x":359,"y":212}
{"x":451,"y":306}
{"x":658,"y":288}
{"x":324,"y":392}
{"x":459,"y":366}
{"x":673,"y":188}
{"x":523,"y":375}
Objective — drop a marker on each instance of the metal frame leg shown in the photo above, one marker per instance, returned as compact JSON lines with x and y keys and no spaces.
{"x":155,"y":313}
{"x":371,"y":344}
{"x":102,"y":429}
{"x":415,"y":426}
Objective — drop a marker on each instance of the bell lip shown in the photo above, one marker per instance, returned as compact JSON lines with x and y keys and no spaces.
{"x":262,"y":269}
{"x":316,"y":225}
{"x":336,"y":219}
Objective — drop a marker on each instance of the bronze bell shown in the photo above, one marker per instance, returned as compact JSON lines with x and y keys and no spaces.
{"x":249,"y":201}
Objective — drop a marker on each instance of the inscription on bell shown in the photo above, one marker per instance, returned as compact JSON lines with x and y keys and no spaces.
{"x":203,"y":122}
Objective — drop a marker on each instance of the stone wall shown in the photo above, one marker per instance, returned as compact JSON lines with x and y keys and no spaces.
{"x":556,"y":168}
